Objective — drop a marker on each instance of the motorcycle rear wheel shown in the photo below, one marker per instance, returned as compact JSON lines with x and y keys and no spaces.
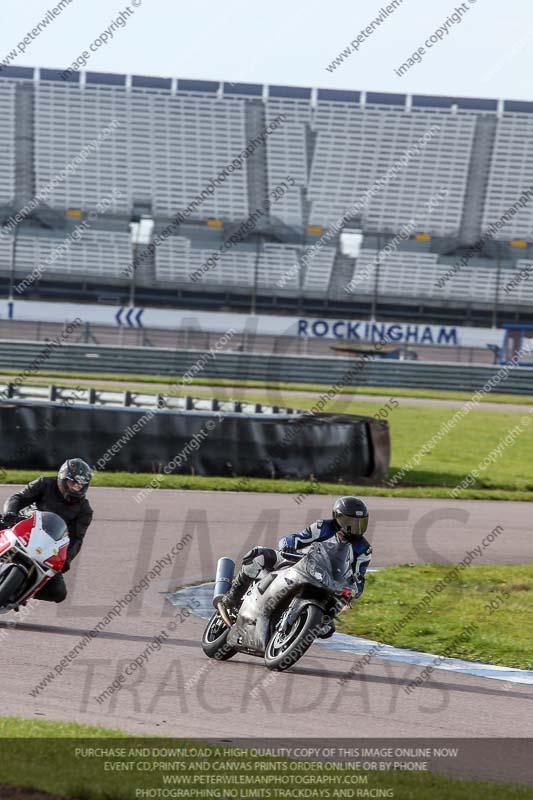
{"x":283,"y":651}
{"x":11,"y":580}
{"x":214,"y":639}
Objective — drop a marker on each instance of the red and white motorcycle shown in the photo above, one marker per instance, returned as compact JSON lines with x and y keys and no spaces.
{"x":32,"y":552}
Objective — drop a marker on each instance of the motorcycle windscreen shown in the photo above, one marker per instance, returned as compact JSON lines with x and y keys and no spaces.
{"x":53,"y":525}
{"x":339,"y":556}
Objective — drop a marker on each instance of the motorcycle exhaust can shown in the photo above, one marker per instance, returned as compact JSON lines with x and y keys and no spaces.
{"x":223,"y":579}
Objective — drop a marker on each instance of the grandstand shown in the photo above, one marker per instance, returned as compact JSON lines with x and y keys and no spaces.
{"x":315,"y":177}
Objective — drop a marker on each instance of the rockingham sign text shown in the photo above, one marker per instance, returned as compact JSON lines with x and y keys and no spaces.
{"x":377,"y":331}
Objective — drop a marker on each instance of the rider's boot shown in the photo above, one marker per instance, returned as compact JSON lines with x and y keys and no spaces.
{"x":240,"y":585}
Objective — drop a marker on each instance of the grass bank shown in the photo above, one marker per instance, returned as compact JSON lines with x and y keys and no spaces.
{"x":302,"y":490}
{"x":485,"y":613}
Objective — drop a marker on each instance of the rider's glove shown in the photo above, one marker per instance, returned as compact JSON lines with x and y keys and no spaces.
{"x":9,"y":519}
{"x":285,"y":547}
{"x":356,"y":581}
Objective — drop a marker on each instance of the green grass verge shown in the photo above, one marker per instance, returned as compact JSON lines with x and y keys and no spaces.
{"x":139,"y":480}
{"x":458,"y":452}
{"x":15,"y":727}
{"x":51,"y":765}
{"x":318,"y":388}
{"x":492,"y":605}
{"x":464,"y":448}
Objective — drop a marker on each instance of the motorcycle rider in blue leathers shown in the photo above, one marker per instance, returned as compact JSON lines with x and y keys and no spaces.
{"x":348,"y":523}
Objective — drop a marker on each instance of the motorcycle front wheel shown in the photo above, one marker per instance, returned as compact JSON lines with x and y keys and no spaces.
{"x":214,"y":639}
{"x":11,"y":580}
{"x":285,"y":649}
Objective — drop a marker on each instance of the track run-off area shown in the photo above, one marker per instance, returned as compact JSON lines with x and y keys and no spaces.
{"x":174,"y":539}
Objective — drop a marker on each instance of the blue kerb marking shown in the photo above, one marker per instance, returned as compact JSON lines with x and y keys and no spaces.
{"x":358,"y":646}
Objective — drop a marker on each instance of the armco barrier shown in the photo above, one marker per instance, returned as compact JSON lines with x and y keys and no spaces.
{"x":73,"y":396}
{"x":172,"y":364}
{"x":327,"y":447}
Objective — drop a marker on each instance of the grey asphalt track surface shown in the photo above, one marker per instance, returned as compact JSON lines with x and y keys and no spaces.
{"x":179,"y":692}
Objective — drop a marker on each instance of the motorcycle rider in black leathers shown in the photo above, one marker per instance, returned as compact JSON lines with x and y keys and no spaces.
{"x":348,"y":523}
{"x":65,"y":496}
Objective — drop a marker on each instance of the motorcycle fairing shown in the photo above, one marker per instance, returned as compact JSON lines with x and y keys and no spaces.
{"x":38,"y":545}
{"x":7,"y":540}
{"x":252,"y":627}
{"x":251,"y":631}
{"x":46,"y":554}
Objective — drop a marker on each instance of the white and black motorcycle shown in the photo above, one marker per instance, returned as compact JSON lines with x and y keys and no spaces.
{"x":32,"y":552}
{"x":283,"y":613}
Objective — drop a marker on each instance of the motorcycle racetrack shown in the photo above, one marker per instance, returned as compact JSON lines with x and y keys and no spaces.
{"x":174,"y":538}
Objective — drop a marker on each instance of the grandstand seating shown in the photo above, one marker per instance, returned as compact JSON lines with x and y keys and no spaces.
{"x":317,"y":271}
{"x":400,"y":273}
{"x":66,"y":121}
{"x":6,"y":250}
{"x":172,"y":137}
{"x":511,"y":173}
{"x":356,"y":147}
{"x":164,"y":150}
{"x":7,"y":135}
{"x":176,"y":260}
{"x":277,"y":268}
{"x":97,"y":254}
{"x":172,"y":260}
{"x":287,"y":155}
{"x":408,"y":274}
{"x":516,"y":289}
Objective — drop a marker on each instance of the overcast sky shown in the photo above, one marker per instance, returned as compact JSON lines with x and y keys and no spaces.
{"x":488,"y":54}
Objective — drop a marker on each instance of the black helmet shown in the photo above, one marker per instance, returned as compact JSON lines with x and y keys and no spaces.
{"x":73,"y":479}
{"x":351,"y":515}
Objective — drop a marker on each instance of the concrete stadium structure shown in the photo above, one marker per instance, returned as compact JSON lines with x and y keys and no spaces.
{"x":256,"y":190}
